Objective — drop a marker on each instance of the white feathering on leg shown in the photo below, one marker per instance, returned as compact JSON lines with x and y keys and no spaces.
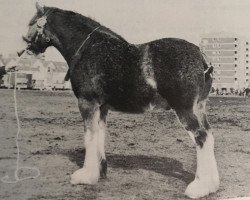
{"x":101,"y":139}
{"x":90,"y":172}
{"x":207,"y":176}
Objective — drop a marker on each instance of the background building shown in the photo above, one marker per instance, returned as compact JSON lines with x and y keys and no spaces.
{"x":44,"y":74}
{"x":229,"y":54}
{"x":2,"y":69}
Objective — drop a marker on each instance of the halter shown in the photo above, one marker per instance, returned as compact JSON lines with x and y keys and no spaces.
{"x":40,"y":25}
{"x":41,"y":22}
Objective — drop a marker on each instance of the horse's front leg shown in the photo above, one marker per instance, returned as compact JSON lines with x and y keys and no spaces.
{"x":94,"y":129}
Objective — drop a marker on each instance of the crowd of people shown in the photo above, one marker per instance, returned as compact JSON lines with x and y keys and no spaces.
{"x":235,"y":92}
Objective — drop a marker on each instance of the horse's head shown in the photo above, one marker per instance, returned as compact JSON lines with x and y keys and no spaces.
{"x":39,"y":34}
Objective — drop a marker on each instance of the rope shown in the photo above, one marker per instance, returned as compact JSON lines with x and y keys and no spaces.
{"x":86,"y":40}
{"x":6,"y":179}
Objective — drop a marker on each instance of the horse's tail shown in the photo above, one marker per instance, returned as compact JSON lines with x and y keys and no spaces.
{"x":208,"y":69}
{"x":208,"y":75}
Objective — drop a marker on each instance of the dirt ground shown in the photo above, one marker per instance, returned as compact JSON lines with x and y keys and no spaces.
{"x":149,"y":156}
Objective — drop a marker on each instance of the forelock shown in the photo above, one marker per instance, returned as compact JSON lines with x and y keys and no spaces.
{"x":48,"y":10}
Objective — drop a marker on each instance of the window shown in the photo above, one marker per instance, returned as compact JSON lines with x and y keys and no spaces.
{"x":235,"y":45}
{"x":48,"y":69}
{"x":247,"y":61}
{"x":235,"y":58}
{"x":235,"y":39}
{"x":246,"y":80}
{"x":247,"y":68}
{"x":247,"y":55}
{"x":235,"y":65}
{"x":235,"y":52}
{"x":246,"y":43}
{"x":235,"y":79}
{"x":246,"y":74}
{"x":246,"y":49}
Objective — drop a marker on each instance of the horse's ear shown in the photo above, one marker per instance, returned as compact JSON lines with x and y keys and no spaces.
{"x":39,"y":8}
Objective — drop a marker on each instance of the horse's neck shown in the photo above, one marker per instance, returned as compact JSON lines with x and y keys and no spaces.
{"x":67,"y":46}
{"x":67,"y":40}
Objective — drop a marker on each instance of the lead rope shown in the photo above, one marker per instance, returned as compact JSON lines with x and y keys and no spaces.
{"x":6,"y":179}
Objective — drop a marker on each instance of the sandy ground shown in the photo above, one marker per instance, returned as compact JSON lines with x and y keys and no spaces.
{"x":149,"y":156}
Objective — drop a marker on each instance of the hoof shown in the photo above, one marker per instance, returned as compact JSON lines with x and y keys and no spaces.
{"x":200,"y":188}
{"x":84,"y":176}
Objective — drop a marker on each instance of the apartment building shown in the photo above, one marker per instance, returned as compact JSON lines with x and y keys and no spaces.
{"x":229,"y":54}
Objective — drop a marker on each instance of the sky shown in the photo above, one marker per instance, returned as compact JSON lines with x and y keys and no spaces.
{"x":137,"y":21}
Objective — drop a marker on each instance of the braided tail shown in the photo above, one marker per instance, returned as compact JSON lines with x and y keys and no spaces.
{"x":208,"y":70}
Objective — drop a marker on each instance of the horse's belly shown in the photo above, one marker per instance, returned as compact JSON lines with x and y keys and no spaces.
{"x":132,"y":101}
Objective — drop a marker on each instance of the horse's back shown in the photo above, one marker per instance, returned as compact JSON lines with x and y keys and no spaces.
{"x":179,"y":71}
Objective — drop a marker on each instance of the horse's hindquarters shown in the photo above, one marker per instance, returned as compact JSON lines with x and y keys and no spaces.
{"x":179,"y":71}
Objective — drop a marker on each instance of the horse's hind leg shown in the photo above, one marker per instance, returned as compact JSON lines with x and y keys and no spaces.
{"x":94,"y":127}
{"x":200,"y":112}
{"x":207,"y":178}
{"x":101,"y":141}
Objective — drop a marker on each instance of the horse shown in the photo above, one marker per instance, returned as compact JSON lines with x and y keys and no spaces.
{"x":109,"y":73}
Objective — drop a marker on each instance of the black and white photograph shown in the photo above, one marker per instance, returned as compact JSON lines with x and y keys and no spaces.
{"x":124,"y":99}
